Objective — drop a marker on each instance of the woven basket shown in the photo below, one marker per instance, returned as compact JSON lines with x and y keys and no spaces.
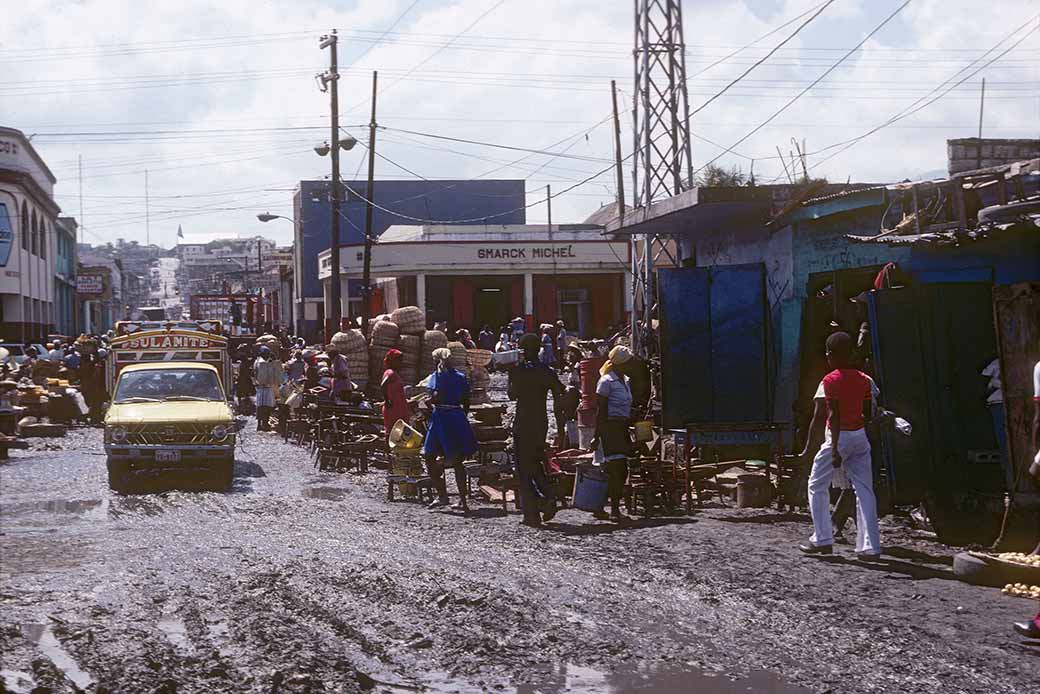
{"x":410,"y":350}
{"x":458,"y":356}
{"x":478,"y":357}
{"x":385,"y":334}
{"x":479,"y":378}
{"x":349,"y":342}
{"x":432,"y":339}
{"x":410,"y":319}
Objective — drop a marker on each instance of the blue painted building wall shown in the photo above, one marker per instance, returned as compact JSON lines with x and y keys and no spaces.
{"x":498,"y":201}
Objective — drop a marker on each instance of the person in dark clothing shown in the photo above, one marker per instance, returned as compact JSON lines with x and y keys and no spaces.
{"x":638,"y":371}
{"x":529,"y":381}
{"x":244,"y":384}
{"x":486,"y":339}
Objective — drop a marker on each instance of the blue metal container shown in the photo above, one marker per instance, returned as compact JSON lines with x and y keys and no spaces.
{"x":590,"y":487}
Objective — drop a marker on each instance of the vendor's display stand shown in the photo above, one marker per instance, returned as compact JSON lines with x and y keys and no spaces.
{"x":710,"y":440}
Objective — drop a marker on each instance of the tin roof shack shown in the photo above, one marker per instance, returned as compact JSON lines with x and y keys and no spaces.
{"x":732,"y":315}
{"x":959,"y":245}
{"x":975,"y":298}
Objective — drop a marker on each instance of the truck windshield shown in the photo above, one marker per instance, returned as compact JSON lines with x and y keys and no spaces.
{"x":168,"y":384}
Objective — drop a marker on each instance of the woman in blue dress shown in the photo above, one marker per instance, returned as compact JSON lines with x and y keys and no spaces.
{"x":449,"y":435}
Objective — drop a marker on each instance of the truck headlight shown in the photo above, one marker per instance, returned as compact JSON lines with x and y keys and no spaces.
{"x":219,"y":432}
{"x":117,"y":434}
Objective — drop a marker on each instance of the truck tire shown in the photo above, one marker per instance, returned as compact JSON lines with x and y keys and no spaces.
{"x":119,"y":475}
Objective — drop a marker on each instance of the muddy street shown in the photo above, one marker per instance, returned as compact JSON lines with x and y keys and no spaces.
{"x":303,"y":581}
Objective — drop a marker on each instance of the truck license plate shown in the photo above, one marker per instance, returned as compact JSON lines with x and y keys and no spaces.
{"x":167,"y":456}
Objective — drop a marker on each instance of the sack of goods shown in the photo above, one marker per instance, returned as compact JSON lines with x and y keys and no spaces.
{"x":458,"y":357}
{"x":410,"y":319}
{"x":432,"y":339}
{"x":269,"y":341}
{"x":385,"y":334}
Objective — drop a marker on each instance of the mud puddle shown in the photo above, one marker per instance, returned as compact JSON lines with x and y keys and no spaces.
{"x":576,"y":679}
{"x":43,"y":636}
{"x":326,"y":493}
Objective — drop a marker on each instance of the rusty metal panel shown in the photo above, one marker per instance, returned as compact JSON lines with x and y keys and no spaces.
{"x":1016,"y":310}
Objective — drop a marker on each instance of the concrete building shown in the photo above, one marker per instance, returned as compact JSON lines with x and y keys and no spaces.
{"x":66,"y":307}
{"x":970,"y":153}
{"x":28,"y":216}
{"x":470,"y":276}
{"x":99,"y":289}
{"x":476,"y":202}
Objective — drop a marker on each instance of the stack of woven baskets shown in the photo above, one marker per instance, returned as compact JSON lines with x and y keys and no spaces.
{"x":410,"y":319}
{"x":432,"y":340}
{"x":410,"y":347}
{"x":385,"y":336}
{"x":351,"y":344}
{"x":479,"y":379}
{"x":458,"y":357}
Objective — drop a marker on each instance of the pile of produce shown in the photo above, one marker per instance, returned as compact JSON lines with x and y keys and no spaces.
{"x":1020,"y":558}
{"x":1021,"y":590}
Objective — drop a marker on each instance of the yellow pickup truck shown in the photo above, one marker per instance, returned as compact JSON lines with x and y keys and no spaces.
{"x":169,"y":411}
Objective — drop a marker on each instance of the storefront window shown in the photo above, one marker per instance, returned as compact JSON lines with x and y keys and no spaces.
{"x":24,"y":230}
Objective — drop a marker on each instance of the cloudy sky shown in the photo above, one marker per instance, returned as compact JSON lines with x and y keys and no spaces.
{"x":218,"y":101}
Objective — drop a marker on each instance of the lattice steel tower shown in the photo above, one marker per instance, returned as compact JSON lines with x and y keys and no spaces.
{"x":660,"y":109}
{"x":662,"y":165}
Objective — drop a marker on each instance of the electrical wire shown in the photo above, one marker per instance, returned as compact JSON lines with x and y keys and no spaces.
{"x":764,"y":58}
{"x":819,"y":79}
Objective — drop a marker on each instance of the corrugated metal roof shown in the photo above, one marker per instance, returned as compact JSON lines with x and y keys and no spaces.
{"x":952,"y":237}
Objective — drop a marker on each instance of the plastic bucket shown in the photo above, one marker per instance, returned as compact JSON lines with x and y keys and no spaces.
{"x":404,"y":437}
{"x":644,"y":430}
{"x":590,"y":488}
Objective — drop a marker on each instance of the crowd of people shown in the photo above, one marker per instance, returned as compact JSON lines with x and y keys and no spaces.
{"x":81,"y":362}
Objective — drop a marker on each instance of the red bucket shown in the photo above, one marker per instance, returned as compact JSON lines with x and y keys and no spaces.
{"x":587,"y":417}
{"x":588,"y":369}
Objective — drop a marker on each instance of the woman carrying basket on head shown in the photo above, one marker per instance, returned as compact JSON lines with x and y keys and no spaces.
{"x":395,"y":405}
{"x":449,"y":434}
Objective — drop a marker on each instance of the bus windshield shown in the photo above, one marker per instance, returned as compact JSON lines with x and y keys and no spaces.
{"x":167,"y":385}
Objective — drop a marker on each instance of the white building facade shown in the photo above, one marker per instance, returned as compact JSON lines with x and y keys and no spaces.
{"x":28,"y":215}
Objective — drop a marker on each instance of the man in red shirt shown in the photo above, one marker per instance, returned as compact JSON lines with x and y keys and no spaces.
{"x":849,"y":403}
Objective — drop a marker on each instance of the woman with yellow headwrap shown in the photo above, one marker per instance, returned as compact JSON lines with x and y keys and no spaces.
{"x":613,"y":412}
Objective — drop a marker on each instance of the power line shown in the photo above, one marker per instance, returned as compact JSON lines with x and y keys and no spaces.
{"x":814,"y":83}
{"x":917,"y":105}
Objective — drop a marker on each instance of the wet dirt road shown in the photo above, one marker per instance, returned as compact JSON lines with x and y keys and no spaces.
{"x":301,"y":581}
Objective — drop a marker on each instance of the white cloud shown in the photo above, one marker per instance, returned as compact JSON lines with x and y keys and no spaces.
{"x":555,"y":58}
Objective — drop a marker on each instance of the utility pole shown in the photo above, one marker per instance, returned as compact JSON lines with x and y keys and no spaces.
{"x":982,"y":104}
{"x":366,"y":272}
{"x":552,"y":244}
{"x":617,"y":156}
{"x":147,"y":216}
{"x":332,"y":76}
{"x":81,"y":228}
{"x":259,"y":265}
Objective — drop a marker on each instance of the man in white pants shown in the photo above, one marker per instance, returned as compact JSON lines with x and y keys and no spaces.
{"x":848,"y":400}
